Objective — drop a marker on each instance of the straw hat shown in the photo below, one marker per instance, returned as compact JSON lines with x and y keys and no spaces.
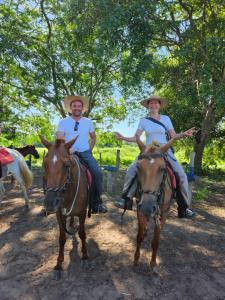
{"x":145,"y":102}
{"x":69,"y":99}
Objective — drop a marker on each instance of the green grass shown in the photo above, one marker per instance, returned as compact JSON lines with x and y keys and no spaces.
{"x":128,"y":155}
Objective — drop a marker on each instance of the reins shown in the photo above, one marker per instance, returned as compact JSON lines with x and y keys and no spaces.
{"x":64,"y":210}
{"x":63,"y":188}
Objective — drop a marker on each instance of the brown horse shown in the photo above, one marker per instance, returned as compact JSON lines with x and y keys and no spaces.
{"x":26,"y":150}
{"x":66,"y":193}
{"x":154,"y":194}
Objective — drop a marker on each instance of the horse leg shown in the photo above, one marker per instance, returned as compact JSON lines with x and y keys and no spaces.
{"x":82,"y":236}
{"x":24,"y":190}
{"x":17,"y":175}
{"x":155,"y":242}
{"x":140,"y":237}
{"x":72,"y":228}
{"x":62,"y":241}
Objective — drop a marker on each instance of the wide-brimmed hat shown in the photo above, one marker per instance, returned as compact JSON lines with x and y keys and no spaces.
{"x":69,"y":99}
{"x":163,"y":102}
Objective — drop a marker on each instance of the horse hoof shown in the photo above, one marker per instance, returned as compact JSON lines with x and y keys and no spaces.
{"x":154,"y":270}
{"x":57,"y":274}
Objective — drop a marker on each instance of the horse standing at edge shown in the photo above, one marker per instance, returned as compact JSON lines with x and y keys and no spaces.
{"x":154,"y":195}
{"x":19,"y":169}
{"x":26,"y":150}
{"x":66,"y":193}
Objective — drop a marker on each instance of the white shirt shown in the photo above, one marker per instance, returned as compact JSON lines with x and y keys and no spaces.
{"x":155,"y":132}
{"x":84,"y":128}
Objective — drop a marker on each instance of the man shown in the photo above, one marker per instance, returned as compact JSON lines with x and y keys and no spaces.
{"x":157,"y":127}
{"x":77,"y":125}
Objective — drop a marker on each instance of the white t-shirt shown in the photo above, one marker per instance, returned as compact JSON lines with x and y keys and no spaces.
{"x":155,"y":131}
{"x":85,"y":127}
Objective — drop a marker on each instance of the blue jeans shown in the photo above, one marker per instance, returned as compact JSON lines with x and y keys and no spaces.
{"x":96,"y":173}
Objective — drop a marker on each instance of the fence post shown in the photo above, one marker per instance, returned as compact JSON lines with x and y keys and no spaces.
{"x":117,"y":160}
{"x":190,"y":183}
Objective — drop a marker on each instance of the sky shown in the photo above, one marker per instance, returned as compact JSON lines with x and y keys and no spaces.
{"x":125,"y":128}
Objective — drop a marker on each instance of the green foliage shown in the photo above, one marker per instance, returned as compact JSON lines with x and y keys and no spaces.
{"x":201,"y":194}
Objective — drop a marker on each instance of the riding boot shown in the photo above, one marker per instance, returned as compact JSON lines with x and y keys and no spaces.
{"x":182,"y":209}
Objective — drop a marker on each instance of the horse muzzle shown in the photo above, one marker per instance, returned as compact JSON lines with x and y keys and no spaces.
{"x":148,"y":207}
{"x":52,"y":202}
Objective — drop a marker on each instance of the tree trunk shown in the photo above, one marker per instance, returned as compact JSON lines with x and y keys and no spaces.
{"x":203,"y":134}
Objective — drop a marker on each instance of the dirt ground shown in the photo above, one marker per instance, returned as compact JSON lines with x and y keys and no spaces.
{"x":191,"y":254}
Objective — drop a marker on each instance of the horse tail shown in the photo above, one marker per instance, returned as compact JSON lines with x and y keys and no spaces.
{"x":26,"y":174}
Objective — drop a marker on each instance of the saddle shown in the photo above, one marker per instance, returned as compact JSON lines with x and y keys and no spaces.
{"x":88,"y":173}
{"x":172,"y":176}
{"x":5,"y":157}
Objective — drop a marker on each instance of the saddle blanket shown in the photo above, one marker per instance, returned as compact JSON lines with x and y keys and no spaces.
{"x":5,"y":157}
{"x":172,"y":177}
{"x":88,"y":175}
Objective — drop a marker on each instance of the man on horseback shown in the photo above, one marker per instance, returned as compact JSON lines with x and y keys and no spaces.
{"x":77,"y":125}
{"x":156,"y":127}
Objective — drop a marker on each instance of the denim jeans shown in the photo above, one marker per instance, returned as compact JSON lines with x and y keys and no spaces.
{"x":96,"y":173}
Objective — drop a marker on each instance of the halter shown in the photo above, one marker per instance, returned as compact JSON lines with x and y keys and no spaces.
{"x":160,"y":193}
{"x":63,"y":188}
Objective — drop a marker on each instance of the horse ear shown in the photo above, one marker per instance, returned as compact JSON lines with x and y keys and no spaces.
{"x":45,"y":142}
{"x":166,"y":147}
{"x":141,"y":145}
{"x":69,"y":144}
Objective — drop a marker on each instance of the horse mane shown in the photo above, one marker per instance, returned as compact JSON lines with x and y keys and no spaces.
{"x":153,"y":147}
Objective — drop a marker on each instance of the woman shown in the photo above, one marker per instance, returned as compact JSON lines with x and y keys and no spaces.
{"x":159,"y":128}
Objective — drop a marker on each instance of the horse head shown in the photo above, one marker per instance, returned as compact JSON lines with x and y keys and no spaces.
{"x":151,"y":174}
{"x":57,"y":166}
{"x":33,"y":151}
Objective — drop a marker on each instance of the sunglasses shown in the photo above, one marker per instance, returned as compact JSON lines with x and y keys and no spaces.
{"x":76,"y":126}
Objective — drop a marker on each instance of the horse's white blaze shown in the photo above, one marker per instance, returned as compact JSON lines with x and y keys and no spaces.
{"x":152,"y":161}
{"x":55,"y":158}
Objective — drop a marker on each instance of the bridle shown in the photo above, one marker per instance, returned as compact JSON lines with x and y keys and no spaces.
{"x":63,"y":188}
{"x":159,"y":194}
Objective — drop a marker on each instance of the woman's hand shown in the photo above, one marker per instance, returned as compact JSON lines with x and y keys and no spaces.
{"x":190,"y":132}
{"x":187,"y":133}
{"x":119,"y":136}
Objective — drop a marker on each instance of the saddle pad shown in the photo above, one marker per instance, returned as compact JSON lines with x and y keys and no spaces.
{"x":172,"y":177}
{"x":88,"y":175}
{"x":5,"y":157}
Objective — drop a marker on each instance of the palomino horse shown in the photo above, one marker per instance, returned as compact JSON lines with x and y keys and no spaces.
{"x":66,"y":193}
{"x":154,"y":194}
{"x":19,"y":169}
